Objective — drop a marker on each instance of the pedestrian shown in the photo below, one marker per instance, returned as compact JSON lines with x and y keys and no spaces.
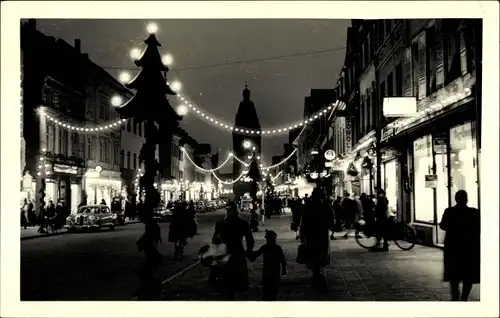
{"x":179,"y":229}
{"x":103,"y":202}
{"x":317,"y":221}
{"x":462,"y":246}
{"x":24,"y":213}
{"x":382,"y":219}
{"x":297,"y":209}
{"x":31,"y":213}
{"x":367,"y":207}
{"x":191,"y":219}
{"x":339,"y":214}
{"x":331,"y":203}
{"x":274,"y":266}
{"x":350,"y":209}
{"x":231,"y":231}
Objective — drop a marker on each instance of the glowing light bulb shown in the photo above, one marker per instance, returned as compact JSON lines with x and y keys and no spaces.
{"x":167,"y":59}
{"x":135,"y":53}
{"x":152,"y":28}
{"x":246,"y":144}
{"x":176,"y":86}
{"x":116,"y":100}
{"x":182,"y":110}
{"x":124,"y":77}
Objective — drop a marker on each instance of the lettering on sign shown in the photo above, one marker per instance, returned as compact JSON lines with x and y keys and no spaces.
{"x":387,"y":133}
{"x":65,"y":169}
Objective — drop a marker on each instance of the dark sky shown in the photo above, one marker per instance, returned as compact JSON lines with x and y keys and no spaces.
{"x":278,"y":86}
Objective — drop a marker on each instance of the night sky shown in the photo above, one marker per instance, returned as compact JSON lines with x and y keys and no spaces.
{"x":278,"y":86}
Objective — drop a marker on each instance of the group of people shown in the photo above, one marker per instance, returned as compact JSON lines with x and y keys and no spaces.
{"x":51,"y":215}
{"x":347,"y":212}
{"x":315,"y":217}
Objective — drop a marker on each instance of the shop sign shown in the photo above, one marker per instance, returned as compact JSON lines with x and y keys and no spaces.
{"x":329,"y":155}
{"x":400,"y":106}
{"x":431,"y":181}
{"x":387,"y":133}
{"x":65,"y":169}
{"x":439,"y":145}
{"x":27,"y":182}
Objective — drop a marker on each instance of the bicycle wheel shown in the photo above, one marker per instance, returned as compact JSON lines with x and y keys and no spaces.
{"x":405,"y":237}
{"x":364,"y":240}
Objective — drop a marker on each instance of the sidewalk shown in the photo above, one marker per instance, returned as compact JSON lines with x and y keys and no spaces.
{"x":354,"y":274}
{"x":32,"y":231}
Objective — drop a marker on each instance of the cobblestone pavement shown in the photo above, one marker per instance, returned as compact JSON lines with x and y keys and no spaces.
{"x":354,"y":274}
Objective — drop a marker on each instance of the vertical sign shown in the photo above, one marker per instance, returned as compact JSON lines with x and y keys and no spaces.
{"x":348,"y":137}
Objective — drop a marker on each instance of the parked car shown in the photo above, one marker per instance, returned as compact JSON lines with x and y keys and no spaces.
{"x":91,"y":216}
{"x":162,"y":213}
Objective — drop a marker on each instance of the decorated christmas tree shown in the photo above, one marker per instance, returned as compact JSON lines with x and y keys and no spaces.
{"x":151,"y":106}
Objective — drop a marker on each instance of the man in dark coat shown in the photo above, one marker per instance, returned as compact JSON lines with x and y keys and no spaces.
{"x":231,"y":231}
{"x":317,"y":221}
{"x":462,"y":246}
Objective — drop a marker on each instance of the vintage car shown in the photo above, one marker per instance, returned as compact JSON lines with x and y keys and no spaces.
{"x":91,"y":216}
{"x":162,"y":213}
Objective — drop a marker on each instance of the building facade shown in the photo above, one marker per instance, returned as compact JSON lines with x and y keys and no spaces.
{"x":425,"y":155}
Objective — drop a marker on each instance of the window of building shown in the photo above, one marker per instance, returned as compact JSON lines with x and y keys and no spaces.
{"x":369,"y":119}
{"x":101,"y":149}
{"x":135,"y":161}
{"x":363,"y":57}
{"x":104,"y":107}
{"x":463,"y":162}
{"x":75,"y":144}
{"x":106,"y":150}
{"x":388,"y":26}
{"x":63,"y":142}
{"x":122,"y":159}
{"x":128,"y":159}
{"x":399,"y":80}
{"x":376,"y":117}
{"x":51,"y":137}
{"x":422,"y":166}
{"x":89,"y":147}
{"x":140,"y":129}
{"x":134,"y":125}
{"x":129,"y":124}
{"x":116,"y":153}
{"x":55,"y":101}
{"x":390,"y":85}
{"x":368,"y":48}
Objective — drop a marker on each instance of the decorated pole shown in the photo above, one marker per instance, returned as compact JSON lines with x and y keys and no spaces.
{"x":151,"y":106}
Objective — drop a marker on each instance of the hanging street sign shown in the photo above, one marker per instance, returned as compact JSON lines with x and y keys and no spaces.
{"x":329,"y":155}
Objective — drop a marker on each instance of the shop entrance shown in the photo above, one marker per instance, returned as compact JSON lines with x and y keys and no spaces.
{"x":442,"y":190}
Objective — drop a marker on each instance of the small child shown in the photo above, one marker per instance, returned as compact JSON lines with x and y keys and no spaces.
{"x":274,"y":266}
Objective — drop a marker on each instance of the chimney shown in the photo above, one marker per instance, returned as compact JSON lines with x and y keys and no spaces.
{"x":32,"y":23}
{"x":78,"y":45}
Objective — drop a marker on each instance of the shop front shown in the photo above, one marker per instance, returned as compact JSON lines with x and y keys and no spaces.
{"x":102,"y":185}
{"x":443,"y":163}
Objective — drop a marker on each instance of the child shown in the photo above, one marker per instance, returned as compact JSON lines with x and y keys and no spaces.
{"x":274,"y":266}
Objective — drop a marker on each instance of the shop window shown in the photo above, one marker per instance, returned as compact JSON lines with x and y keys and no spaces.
{"x":463,"y":161}
{"x":424,"y":197}
{"x":51,"y":136}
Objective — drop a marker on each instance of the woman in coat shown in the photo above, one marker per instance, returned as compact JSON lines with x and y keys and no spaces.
{"x":462,"y":246}
{"x":317,"y":221}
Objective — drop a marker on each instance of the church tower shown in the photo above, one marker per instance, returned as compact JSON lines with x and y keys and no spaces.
{"x":246,"y":118}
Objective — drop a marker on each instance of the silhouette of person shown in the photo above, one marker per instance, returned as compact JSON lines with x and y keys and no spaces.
{"x":462,"y":246}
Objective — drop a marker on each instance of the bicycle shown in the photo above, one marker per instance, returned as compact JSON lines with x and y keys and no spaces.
{"x":399,"y":232}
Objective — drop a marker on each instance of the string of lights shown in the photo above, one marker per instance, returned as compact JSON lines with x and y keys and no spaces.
{"x":282,"y":161}
{"x":229,"y":156}
{"x":276,"y":176}
{"x":232,"y":181}
{"x":186,"y":105}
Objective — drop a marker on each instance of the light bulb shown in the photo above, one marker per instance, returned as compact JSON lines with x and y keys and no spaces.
{"x":124,"y":77}
{"x":167,"y":59}
{"x":182,"y":110}
{"x":176,"y":86}
{"x":116,"y":100}
{"x":152,"y":28}
{"x":135,"y":53}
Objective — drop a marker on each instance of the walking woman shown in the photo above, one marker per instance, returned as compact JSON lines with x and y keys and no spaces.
{"x":317,"y":221}
{"x":462,"y":246}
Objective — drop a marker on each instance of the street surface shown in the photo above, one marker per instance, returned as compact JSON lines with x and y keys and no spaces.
{"x":99,"y":265}
{"x":103,"y":266}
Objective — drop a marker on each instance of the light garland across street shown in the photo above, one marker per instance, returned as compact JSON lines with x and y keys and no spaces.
{"x":232,"y":181}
